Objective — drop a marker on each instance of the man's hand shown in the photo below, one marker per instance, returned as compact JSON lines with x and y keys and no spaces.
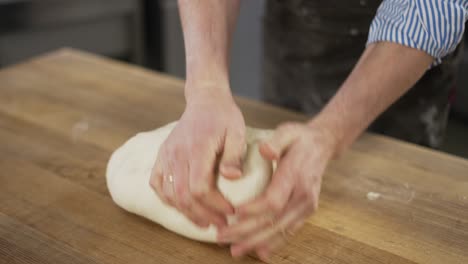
{"x":384,"y":72}
{"x":302,"y":153}
{"x":211,"y":131}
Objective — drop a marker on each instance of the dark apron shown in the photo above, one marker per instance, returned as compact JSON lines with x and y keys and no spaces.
{"x":312,"y":45}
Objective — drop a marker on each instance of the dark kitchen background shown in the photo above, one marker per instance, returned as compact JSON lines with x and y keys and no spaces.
{"x":148,"y":33}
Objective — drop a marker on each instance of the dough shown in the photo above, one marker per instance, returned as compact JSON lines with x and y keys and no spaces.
{"x":129,"y":170}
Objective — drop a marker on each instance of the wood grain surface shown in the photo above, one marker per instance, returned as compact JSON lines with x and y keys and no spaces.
{"x":62,"y":115}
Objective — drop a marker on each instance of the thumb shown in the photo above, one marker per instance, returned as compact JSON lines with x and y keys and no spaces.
{"x":275,"y":147}
{"x":230,"y":165}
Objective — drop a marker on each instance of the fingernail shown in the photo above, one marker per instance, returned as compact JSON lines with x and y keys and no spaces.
{"x":272,"y":153}
{"x":231,"y":171}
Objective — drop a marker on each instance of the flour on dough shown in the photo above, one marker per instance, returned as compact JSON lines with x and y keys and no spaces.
{"x":129,"y":170}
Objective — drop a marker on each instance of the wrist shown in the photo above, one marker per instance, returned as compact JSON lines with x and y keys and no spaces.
{"x":203,"y":72}
{"x":201,"y":91}
{"x":332,"y":133}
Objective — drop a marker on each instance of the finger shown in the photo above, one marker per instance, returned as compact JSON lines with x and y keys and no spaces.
{"x":243,"y":228}
{"x":277,"y":194}
{"x":203,"y":214}
{"x":296,"y":225}
{"x":168,"y":189}
{"x":177,"y":192}
{"x":277,"y":145}
{"x":195,"y":219}
{"x":264,"y":252}
{"x":296,"y":211}
{"x":217,"y":202}
{"x":156,"y":179}
{"x":182,"y":199}
{"x":192,"y":208}
{"x":202,"y":184}
{"x":200,"y":216}
{"x":233,"y":151}
{"x":180,"y":187}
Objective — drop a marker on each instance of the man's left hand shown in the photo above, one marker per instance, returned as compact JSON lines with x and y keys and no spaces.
{"x":302,"y":153}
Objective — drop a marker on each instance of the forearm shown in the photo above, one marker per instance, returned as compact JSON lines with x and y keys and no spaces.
{"x":384,"y":73}
{"x":208,"y":26}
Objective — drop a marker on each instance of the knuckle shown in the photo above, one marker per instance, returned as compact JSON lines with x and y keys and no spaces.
{"x":184,"y":202}
{"x":274,"y":204}
{"x":180,"y":189}
{"x":177,"y":152}
{"x":199,"y":191}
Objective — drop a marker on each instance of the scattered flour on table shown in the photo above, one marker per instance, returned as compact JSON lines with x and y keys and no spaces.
{"x":78,"y":129}
{"x":372,"y":196}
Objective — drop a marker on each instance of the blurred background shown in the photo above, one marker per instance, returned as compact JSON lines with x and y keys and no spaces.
{"x":148,"y":33}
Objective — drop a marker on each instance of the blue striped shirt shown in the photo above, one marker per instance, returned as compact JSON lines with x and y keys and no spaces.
{"x":433,"y":26}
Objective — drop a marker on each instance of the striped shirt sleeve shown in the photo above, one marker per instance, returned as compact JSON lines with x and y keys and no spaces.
{"x":433,"y":26}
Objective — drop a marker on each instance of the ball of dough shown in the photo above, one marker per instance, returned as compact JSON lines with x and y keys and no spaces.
{"x":129,"y":170}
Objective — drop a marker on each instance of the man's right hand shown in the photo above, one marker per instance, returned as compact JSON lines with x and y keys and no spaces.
{"x":209,"y":138}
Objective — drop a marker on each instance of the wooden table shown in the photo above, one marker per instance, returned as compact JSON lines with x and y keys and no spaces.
{"x":61,"y":115}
